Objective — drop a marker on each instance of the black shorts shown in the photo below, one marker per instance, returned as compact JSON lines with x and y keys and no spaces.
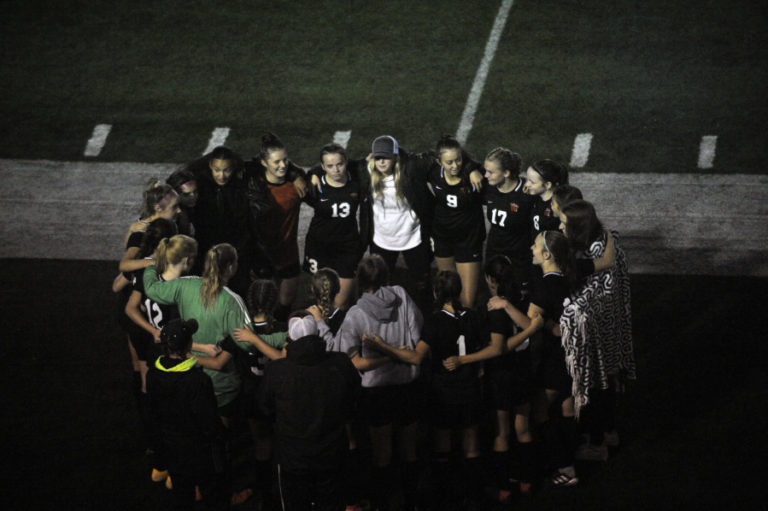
{"x":342,"y":257}
{"x":142,"y":342}
{"x":553,"y":373}
{"x":417,"y":259}
{"x":512,"y":386}
{"x":397,"y":405}
{"x":448,"y":414}
{"x":231,"y":409}
{"x":463,"y":246}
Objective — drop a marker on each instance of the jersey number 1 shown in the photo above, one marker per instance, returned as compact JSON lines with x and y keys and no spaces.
{"x":462,"y":345}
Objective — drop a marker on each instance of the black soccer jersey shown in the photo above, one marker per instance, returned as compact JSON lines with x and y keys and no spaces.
{"x":448,"y":335}
{"x":335,"y":320}
{"x":510,"y":217}
{"x":549,"y":292}
{"x":335,"y":218}
{"x":157,"y":314}
{"x":456,"y":210}
{"x":543,"y":219}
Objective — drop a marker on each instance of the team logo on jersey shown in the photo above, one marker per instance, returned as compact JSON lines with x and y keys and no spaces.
{"x":513,"y":207}
{"x":547,"y":212}
{"x":353,"y":195}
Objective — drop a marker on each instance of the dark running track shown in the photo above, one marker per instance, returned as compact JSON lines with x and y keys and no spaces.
{"x":692,"y":428}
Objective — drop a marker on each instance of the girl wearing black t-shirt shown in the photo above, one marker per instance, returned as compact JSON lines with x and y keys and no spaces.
{"x":454,"y":392}
{"x":508,"y":210}
{"x":458,"y":228}
{"x":333,"y":237}
{"x":543,"y":177}
{"x":551,"y":252}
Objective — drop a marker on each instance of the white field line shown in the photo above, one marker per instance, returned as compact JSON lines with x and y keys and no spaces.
{"x":468,"y":117}
{"x":342,"y":138}
{"x":711,"y":234}
{"x":218,"y":137}
{"x":98,"y":139}
{"x":707,"y":151}
{"x":581,"y":146}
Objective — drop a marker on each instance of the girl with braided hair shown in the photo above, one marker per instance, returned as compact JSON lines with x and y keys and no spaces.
{"x":324,"y":288}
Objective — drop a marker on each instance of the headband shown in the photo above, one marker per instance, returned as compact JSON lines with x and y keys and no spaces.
{"x":544,"y":239}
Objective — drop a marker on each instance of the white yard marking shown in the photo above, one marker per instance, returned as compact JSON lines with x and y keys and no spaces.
{"x":581,"y":146}
{"x":218,"y":137}
{"x":707,"y":151}
{"x":98,"y":139}
{"x":342,"y":138}
{"x":720,"y":230}
{"x":468,"y":117}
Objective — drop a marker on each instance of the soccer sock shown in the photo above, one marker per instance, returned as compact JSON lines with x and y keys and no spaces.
{"x":473,"y":478}
{"x":264,"y":476}
{"x":409,"y":472}
{"x":351,"y":483}
{"x":441,"y":479}
{"x":381,"y":487}
{"x":569,"y":434}
{"x":552,"y":445}
{"x":500,"y":469}
{"x":526,"y":454}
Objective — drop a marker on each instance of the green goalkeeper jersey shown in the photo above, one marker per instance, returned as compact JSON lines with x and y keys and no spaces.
{"x":214,"y":323}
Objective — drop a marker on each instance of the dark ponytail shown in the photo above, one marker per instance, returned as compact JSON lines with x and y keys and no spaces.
{"x":558,"y":245}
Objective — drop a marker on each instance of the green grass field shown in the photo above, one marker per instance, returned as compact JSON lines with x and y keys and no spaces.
{"x":647,"y":79}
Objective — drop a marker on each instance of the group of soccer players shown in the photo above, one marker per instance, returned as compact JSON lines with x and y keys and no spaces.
{"x":543,"y":357}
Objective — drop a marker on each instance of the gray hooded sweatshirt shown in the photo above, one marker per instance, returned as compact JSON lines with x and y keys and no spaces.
{"x":390,"y":313}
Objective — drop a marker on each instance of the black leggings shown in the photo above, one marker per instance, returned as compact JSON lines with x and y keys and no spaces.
{"x":417,"y":259}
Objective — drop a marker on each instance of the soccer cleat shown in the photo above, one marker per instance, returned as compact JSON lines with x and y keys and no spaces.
{"x":526,"y":489}
{"x":169,"y":483}
{"x":158,"y":476}
{"x":591,"y":452}
{"x":198,"y":495}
